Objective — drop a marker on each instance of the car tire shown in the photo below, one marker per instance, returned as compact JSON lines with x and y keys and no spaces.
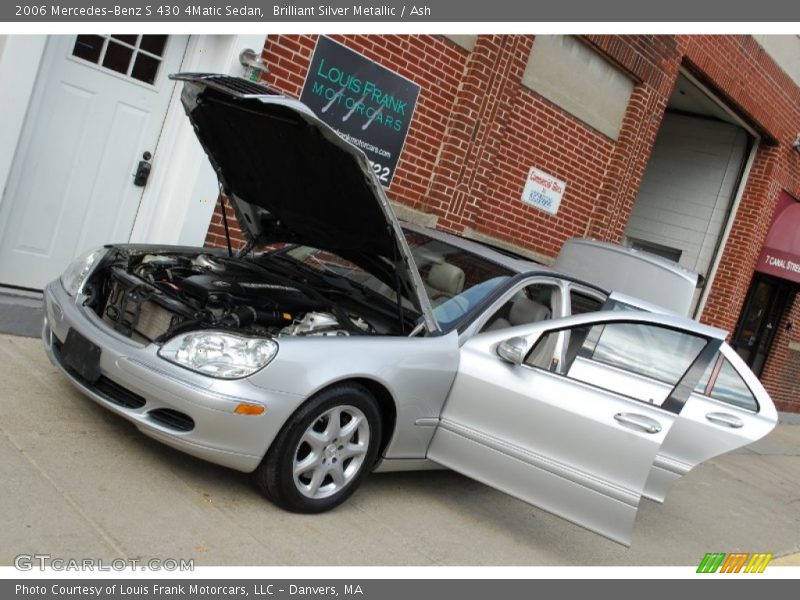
{"x":323,"y":452}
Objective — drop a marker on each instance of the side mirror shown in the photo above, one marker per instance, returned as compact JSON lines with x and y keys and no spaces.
{"x":513,"y":350}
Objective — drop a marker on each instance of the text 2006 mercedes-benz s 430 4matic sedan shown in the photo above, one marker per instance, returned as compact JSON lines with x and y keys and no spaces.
{"x":338,"y":342}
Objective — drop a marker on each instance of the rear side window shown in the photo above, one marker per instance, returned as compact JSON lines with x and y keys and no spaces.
{"x":722,"y":382}
{"x":583,"y":303}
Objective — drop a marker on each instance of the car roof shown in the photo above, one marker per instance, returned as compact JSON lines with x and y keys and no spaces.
{"x":517,"y":264}
{"x":513,"y":262}
{"x":661,"y":318}
{"x":642,"y":310}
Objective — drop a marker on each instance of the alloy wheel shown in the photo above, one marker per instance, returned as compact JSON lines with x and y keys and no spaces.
{"x":331,"y":452}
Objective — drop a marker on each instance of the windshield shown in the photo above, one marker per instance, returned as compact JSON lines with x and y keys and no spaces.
{"x":455,"y":280}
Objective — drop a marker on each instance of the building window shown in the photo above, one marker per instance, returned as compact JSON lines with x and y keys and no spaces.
{"x":135,"y":56}
{"x":572,"y":75}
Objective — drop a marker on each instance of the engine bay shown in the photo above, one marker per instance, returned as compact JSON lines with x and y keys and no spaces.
{"x":150,"y":296}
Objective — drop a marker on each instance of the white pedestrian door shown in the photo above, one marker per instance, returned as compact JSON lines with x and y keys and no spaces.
{"x":98,"y":107}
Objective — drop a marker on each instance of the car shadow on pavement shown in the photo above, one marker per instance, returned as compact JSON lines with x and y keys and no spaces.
{"x":439,"y":517}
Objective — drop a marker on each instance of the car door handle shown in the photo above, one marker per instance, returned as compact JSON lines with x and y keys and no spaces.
{"x":725,"y":419}
{"x":646,"y":424}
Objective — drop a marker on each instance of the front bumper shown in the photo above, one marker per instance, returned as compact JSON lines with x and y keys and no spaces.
{"x":140,"y":386}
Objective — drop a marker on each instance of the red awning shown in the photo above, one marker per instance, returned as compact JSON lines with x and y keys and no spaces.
{"x":780,"y":255}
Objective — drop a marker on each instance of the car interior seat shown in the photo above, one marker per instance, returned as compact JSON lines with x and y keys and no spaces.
{"x":444,"y":281}
{"x":523,"y":310}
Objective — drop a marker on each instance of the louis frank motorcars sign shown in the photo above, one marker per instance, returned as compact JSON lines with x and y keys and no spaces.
{"x":366,"y":103}
{"x":543,"y":191}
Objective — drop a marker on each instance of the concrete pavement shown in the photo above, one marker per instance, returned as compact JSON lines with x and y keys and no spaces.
{"x":81,"y":482}
{"x":791,"y":560}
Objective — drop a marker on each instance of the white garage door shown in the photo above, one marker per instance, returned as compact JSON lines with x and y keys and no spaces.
{"x":99,"y":105}
{"x":687,"y":189}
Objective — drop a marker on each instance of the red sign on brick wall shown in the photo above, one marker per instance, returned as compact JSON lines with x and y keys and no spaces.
{"x":780,"y":255}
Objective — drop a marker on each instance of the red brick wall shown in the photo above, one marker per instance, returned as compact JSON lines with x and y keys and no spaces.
{"x":536,"y":132}
{"x":433,"y":62}
{"x":477,"y":130}
{"x":750,"y":82}
{"x":743,"y":75}
{"x":216,"y":230}
{"x":653,"y":61}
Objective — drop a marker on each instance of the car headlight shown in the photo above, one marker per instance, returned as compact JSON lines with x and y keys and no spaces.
{"x":75,"y":275}
{"x":218,"y":354}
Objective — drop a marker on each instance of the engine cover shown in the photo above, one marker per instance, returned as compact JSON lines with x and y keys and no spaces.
{"x":235,"y":287}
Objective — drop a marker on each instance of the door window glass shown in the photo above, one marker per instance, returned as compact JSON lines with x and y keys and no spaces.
{"x":117,"y":57}
{"x":731,"y":388}
{"x":581,"y":303}
{"x":655,"y":352}
{"x":723,"y":382}
{"x":135,"y":56}
{"x":643,"y":361}
{"x":89,"y":47}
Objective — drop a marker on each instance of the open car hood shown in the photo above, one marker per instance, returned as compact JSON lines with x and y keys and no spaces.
{"x":291,"y":178}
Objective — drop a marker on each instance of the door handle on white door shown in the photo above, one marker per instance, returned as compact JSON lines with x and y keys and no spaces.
{"x":641,"y":422}
{"x":719,"y":418}
{"x":143,"y":170}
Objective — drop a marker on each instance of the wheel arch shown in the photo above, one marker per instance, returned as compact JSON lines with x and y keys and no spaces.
{"x":387,"y":406}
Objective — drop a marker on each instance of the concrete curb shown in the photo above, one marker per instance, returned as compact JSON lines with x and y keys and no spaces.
{"x":21,"y":314}
{"x":789,"y":418}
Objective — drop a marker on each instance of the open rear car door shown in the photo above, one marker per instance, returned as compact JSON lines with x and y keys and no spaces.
{"x":571,"y":415}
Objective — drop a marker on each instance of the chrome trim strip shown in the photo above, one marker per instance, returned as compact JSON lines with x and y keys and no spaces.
{"x":671,"y":465}
{"x":624,"y":495}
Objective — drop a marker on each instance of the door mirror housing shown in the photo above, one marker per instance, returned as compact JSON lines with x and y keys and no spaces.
{"x":513,"y":350}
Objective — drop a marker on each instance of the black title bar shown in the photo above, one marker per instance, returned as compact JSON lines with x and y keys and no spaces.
{"x":394,"y":11}
{"x":730,"y":588}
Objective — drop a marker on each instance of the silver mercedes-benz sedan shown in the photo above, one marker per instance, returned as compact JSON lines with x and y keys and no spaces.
{"x":338,"y":342}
